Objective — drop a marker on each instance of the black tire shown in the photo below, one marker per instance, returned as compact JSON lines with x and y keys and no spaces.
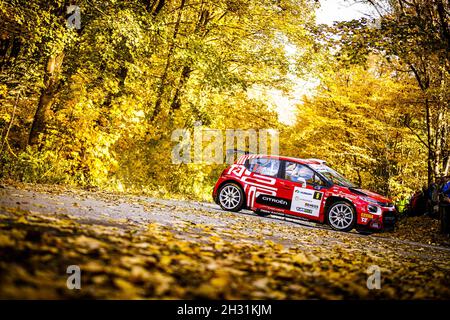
{"x":341,"y":216}
{"x":231,"y":197}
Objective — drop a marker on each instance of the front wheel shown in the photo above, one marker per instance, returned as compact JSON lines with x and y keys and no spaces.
{"x":341,"y":216}
{"x":231,"y":197}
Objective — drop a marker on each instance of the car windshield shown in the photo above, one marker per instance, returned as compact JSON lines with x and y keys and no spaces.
{"x":332,"y":175}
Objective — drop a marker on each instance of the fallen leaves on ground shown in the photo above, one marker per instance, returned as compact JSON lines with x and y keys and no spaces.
{"x":421,"y":229}
{"x":35,"y":252}
{"x":227,"y":255}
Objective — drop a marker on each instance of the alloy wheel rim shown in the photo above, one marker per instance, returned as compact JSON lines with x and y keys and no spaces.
{"x":341,"y":216}
{"x":230,"y":197}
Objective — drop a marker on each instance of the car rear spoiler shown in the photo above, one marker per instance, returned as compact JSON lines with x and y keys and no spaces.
{"x":237,"y":151}
{"x":232,"y":155}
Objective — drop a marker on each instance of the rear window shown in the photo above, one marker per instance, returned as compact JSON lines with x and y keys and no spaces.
{"x":265,"y":166}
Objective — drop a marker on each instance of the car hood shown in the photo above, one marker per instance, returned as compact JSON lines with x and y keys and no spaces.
{"x":368,"y":193}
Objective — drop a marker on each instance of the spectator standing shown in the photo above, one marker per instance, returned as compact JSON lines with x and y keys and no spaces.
{"x":444,"y":205}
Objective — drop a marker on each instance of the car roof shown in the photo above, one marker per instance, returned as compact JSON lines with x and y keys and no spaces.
{"x":242,"y":159}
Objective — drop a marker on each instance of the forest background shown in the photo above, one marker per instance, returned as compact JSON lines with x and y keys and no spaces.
{"x":96,"y":106}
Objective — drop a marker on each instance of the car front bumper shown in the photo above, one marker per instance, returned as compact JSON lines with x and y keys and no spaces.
{"x":385,"y":222}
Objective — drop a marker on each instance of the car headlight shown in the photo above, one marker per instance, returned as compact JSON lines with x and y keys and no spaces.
{"x":373,"y":209}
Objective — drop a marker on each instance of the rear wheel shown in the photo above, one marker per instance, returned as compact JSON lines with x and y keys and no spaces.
{"x":341,"y":216}
{"x":231,"y":197}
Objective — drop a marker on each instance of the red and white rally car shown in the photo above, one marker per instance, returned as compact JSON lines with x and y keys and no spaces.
{"x":303,"y":188}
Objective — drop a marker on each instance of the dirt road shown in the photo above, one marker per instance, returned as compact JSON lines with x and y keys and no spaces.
{"x":139,"y":247}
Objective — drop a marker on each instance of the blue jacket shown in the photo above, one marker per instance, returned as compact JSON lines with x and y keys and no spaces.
{"x":446,"y":189}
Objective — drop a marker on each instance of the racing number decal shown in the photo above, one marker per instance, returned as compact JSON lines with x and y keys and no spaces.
{"x":306,"y":201}
{"x":318,"y":195}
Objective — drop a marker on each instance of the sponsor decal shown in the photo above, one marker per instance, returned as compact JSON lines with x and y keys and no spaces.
{"x":310,"y":205}
{"x":367,"y":215}
{"x":306,"y":201}
{"x":273,"y":201}
{"x":304,"y":192}
{"x":303,"y":210}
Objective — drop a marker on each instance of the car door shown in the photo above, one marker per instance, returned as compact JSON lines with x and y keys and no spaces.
{"x":261,"y":186}
{"x":304,"y":188}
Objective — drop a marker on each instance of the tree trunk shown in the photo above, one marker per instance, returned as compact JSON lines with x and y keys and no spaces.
{"x":43,"y":111}
{"x":444,"y":25}
{"x":162,"y":84}
{"x":430,"y":141}
{"x":176,"y":102}
{"x":447,"y":167}
{"x":155,"y":6}
{"x":438,"y":142}
{"x":200,"y":28}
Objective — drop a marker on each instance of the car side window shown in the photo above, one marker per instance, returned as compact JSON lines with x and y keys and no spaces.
{"x":265,"y":166}
{"x":318,"y":181}
{"x":297,"y":172}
